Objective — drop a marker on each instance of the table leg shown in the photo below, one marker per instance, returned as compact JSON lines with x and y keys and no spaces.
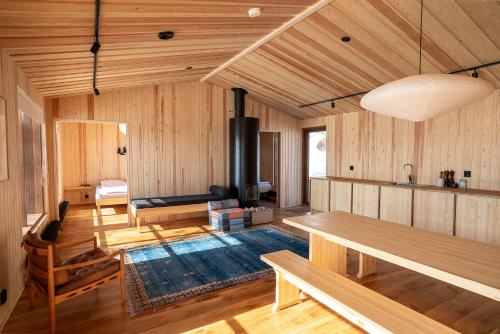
{"x":367,"y":265}
{"x":328,"y":254}
{"x":287,"y":294}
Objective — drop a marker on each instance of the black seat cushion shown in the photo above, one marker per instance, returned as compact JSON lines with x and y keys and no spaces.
{"x":144,"y":203}
{"x":51,"y":233}
{"x":217,"y":193}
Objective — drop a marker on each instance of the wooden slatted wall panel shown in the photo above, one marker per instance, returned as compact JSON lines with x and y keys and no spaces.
{"x":90,"y":153}
{"x":12,"y":216}
{"x":465,"y":139}
{"x":376,"y":146}
{"x":178,"y":136}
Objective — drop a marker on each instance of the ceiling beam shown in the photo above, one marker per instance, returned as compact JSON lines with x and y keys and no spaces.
{"x":284,"y":27}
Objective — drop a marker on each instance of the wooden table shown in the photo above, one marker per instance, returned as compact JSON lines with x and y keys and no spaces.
{"x":468,"y":264}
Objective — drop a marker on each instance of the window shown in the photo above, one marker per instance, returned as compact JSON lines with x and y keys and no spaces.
{"x":316,"y":159}
{"x":33,"y":160}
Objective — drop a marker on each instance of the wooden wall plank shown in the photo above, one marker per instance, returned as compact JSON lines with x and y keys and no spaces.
{"x":12,"y":211}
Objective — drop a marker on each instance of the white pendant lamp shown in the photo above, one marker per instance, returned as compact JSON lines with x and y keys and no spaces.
{"x":419,"y":97}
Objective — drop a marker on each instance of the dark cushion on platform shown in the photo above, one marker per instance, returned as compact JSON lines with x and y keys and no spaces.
{"x":146,"y":203}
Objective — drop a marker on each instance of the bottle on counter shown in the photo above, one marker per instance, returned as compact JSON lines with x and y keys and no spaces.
{"x":440,"y":181}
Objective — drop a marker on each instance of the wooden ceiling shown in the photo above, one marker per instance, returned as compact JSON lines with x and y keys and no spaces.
{"x":50,"y":40}
{"x":309,"y":62}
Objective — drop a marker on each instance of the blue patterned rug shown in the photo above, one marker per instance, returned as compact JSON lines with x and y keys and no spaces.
{"x":162,"y":274}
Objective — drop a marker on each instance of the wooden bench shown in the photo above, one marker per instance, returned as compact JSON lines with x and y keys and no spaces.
{"x":139,"y":214}
{"x":367,"y":309}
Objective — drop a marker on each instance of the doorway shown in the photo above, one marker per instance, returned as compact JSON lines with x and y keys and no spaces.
{"x":92,"y":163}
{"x":269,"y":169}
{"x":314,"y":158}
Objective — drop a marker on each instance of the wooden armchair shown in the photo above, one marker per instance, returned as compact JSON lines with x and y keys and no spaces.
{"x":61,"y":281}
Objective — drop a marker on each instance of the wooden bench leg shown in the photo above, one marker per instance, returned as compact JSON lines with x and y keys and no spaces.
{"x":367,"y":265}
{"x":138,"y":224}
{"x":98,"y":210}
{"x":328,"y":254}
{"x":287,"y":294}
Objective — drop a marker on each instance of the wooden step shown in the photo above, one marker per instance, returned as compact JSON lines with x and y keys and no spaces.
{"x":367,"y":309}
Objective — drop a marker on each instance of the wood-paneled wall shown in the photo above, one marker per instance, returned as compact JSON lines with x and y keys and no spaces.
{"x":378,"y":146}
{"x":12,"y":212}
{"x":89,"y":153}
{"x":178,"y":136}
{"x":465,"y":139}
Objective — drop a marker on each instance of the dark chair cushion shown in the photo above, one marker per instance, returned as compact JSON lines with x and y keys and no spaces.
{"x":51,"y":233}
{"x":219,"y":191}
{"x":63,"y":209}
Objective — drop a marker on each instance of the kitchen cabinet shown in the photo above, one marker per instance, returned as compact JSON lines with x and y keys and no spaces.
{"x":320,"y":195}
{"x":478,"y":218}
{"x":396,"y":204}
{"x":340,"y":196}
{"x":434,"y":210}
{"x":365,"y":199}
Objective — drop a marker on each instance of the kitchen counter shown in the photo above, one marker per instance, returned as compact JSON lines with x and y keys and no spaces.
{"x":427,"y":187}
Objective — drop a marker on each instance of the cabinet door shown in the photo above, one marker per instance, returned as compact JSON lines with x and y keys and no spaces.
{"x":320,"y":195}
{"x":434,"y":210}
{"x":340,"y":196}
{"x":396,"y":205}
{"x":478,"y":218}
{"x":365,"y":199}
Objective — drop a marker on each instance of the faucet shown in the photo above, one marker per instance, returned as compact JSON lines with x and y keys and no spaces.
{"x":410,"y":177}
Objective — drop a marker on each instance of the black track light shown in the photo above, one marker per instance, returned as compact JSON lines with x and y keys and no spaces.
{"x":475,"y":74}
{"x":95,"y":47}
{"x":333,"y":104}
{"x":96,"y":92}
{"x":166,"y":35}
{"x":345,"y":39}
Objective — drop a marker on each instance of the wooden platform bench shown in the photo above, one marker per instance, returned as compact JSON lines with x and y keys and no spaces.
{"x":162,"y":206}
{"x":367,"y":309}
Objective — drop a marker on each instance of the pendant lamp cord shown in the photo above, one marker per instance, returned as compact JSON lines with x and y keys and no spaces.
{"x":421,"y":21}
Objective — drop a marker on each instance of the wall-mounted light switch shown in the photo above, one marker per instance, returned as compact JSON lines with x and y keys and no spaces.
{"x":351,"y":167}
{"x":467,"y":173}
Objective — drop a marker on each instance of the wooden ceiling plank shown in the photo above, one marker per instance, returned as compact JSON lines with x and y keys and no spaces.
{"x":310,"y":10}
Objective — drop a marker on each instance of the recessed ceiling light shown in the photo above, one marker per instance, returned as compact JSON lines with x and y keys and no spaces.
{"x":345,"y":39}
{"x":166,"y":35}
{"x":254,"y":12}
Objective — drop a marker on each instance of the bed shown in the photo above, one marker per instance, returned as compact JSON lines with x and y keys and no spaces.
{"x":110,"y":192}
{"x":265,"y":186}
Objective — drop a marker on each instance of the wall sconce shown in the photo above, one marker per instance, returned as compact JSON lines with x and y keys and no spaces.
{"x":121,"y":151}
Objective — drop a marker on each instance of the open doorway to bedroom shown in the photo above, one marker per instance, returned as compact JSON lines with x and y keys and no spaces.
{"x":269,"y":169}
{"x":92,"y":164}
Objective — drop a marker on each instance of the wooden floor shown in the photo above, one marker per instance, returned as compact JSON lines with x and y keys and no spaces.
{"x":244,"y":309}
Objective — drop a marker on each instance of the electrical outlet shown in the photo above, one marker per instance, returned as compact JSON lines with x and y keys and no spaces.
{"x":86,"y":196}
{"x":3,"y":296}
{"x":467,"y":173}
{"x":351,"y":167}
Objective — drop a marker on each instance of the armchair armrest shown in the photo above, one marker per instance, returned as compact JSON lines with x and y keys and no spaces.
{"x":121,"y":252}
{"x":75,"y":243}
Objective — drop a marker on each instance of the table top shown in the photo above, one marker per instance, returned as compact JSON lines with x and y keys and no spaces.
{"x":469,"y":264}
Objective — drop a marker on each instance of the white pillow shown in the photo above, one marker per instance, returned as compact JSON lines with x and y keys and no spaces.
{"x":113,"y":183}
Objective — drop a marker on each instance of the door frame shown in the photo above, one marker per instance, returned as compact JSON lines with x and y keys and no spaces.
{"x":305,"y":155}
